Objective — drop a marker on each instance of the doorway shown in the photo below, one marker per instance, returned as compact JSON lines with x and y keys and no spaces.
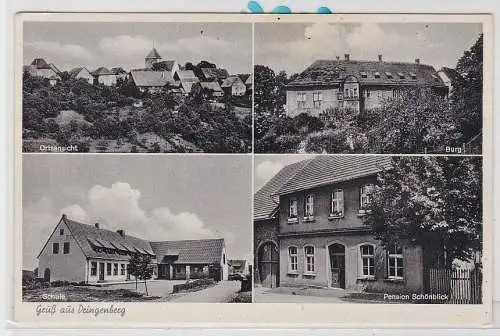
{"x":101,"y":271}
{"x":336,"y":253}
{"x":269,"y":265}
{"x":46,"y":275}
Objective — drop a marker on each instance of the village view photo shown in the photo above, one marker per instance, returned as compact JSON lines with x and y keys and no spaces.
{"x":368,"y":88}
{"x":137,"y":87}
{"x":98,"y":228}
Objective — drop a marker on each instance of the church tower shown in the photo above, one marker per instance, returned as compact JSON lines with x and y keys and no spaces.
{"x":152,"y":58}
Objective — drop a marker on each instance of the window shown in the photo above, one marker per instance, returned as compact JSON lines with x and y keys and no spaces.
{"x":292,"y":259}
{"x":363,"y":74}
{"x":301,"y":99}
{"x":413,"y":75}
{"x":337,"y":204}
{"x":367,"y":93}
{"x":93,"y":268}
{"x":395,"y":262}
{"x":339,"y":94}
{"x":122,"y":270}
{"x":55,"y":248}
{"x":365,"y":196}
{"x":309,"y":254}
{"x":309,"y":206}
{"x":317,"y":99}
{"x":292,"y":208}
{"x":396,"y":93}
{"x":108,"y":268}
{"x":377,"y":74}
{"x":66,"y":248}
{"x":224,"y":259}
{"x":61,"y":232}
{"x":115,"y":269}
{"x":401,"y":75}
{"x":367,"y":260}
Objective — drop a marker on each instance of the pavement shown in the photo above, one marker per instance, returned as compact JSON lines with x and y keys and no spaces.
{"x":161,"y":288}
{"x":299,"y":295}
{"x":220,"y":293}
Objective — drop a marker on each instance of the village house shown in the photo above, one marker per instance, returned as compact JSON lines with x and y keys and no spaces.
{"x":151,"y":81}
{"x":450,"y":78}
{"x":214,"y":74}
{"x":78,"y":252}
{"x":238,"y":266}
{"x":40,"y":68}
{"x":81,"y":73}
{"x":356,"y":85}
{"x":186,"y":78}
{"x":309,"y":230}
{"x":209,"y":90}
{"x":104,"y":76}
{"x":234,"y":86}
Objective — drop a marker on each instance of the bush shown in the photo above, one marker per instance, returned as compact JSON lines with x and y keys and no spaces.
{"x":193,"y":285}
{"x":59,"y":283}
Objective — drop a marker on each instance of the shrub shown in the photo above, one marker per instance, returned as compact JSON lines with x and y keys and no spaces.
{"x":193,"y":285}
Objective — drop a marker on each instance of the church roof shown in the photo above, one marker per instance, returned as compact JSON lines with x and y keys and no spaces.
{"x":153,"y":54}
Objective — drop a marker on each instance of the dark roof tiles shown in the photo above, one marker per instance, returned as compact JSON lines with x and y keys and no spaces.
{"x":204,"y":251}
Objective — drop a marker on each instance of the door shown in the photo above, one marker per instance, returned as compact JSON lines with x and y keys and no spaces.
{"x":269,"y":265}
{"x":101,"y":271}
{"x":337,"y":265}
{"x":46,"y":275}
{"x":164,"y":271}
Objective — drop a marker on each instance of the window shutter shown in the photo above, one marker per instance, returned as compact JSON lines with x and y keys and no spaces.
{"x":342,"y":201}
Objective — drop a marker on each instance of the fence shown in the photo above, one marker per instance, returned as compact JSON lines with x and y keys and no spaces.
{"x":460,"y":285}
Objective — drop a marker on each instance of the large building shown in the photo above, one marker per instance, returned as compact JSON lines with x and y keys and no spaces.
{"x":40,"y":68}
{"x":310,"y":230}
{"x":356,"y":85}
{"x":78,"y":252}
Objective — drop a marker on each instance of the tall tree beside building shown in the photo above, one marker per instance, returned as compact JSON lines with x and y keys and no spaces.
{"x":432,"y":202}
{"x":467,"y":95}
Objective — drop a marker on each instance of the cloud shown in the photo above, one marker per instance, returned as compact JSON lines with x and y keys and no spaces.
{"x":115,"y":207}
{"x":59,"y":50}
{"x":267,"y":169}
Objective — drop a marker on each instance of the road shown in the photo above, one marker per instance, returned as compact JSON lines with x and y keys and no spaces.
{"x":272,"y":296}
{"x":219,"y":293}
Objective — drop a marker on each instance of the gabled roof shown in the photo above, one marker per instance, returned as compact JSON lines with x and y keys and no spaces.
{"x":187,"y":78}
{"x":215,"y":73}
{"x":149,"y":78}
{"x":264,"y":205}
{"x":40,"y":63}
{"x":213,"y":86}
{"x":102,"y":71}
{"x":204,"y":251}
{"x":75,"y":71}
{"x":237,"y":263}
{"x":244,"y":77}
{"x":231,"y":80}
{"x":334,"y":72}
{"x":153,"y":54}
{"x":53,"y":67}
{"x":452,"y":74}
{"x":87,"y":235}
{"x":325,"y":169}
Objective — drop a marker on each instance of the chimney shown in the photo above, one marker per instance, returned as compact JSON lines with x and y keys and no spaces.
{"x":121,"y":232}
{"x":417,"y":60}
{"x":96,"y":225}
{"x":380,"y":57}
{"x":346,"y":57}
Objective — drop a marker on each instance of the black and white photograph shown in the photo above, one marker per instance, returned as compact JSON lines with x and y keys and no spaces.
{"x":136,"y":229}
{"x":368,"y":87}
{"x":368,"y":229}
{"x":137,"y":87}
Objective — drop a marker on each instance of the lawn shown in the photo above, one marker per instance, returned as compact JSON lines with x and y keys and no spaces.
{"x":83,"y":294}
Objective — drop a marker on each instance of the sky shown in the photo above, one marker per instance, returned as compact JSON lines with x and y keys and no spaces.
{"x":154,"y":197}
{"x":266,"y":166}
{"x":294,"y":46}
{"x":110,"y":44}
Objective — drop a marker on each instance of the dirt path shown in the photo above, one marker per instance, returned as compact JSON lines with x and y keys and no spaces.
{"x":219,"y":293}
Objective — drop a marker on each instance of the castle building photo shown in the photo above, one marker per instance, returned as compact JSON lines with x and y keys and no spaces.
{"x":361,"y":87}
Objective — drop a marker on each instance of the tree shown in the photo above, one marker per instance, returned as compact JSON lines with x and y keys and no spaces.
{"x":140,"y":267}
{"x":414,"y":120}
{"x":431,"y":202}
{"x":467,"y":94}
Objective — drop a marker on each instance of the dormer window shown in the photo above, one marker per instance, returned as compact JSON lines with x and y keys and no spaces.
{"x":401,"y":75}
{"x":413,"y":75}
{"x":363,"y":74}
{"x":388,"y":74}
{"x":377,"y":74}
